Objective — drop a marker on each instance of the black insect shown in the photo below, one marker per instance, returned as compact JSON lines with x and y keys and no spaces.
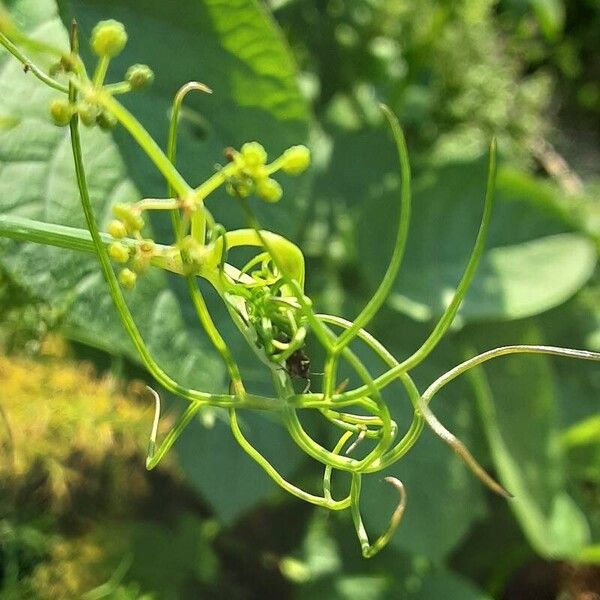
{"x":298,"y":365}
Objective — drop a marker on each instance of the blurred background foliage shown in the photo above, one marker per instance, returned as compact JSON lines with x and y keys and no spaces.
{"x":80,"y":516}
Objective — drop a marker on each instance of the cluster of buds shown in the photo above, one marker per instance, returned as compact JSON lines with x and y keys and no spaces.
{"x":136,"y":254}
{"x":252,"y":174}
{"x":274,"y":316}
{"x":107,"y":41}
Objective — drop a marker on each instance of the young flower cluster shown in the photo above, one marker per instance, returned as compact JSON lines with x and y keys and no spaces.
{"x":107,"y":41}
{"x":137,"y":253}
{"x":253,"y":175}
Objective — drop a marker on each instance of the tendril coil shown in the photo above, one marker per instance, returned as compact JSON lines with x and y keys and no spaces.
{"x":265,"y":298}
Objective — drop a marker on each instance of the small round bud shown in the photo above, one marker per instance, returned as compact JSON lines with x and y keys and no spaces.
{"x":295,"y":160}
{"x":193,"y":251}
{"x":139,"y":76}
{"x":132,"y":220}
{"x":118,"y":252}
{"x":117,"y":229}
{"x":141,"y":262}
{"x":241,"y":189}
{"x":88,"y":113}
{"x":61,"y":112}
{"x":127,"y":278}
{"x":253,"y":154}
{"x":269,"y":190}
{"x":108,"y":38}
{"x":106,"y":121}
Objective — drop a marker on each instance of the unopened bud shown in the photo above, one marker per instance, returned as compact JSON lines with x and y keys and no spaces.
{"x":253,"y":154}
{"x":108,"y":38}
{"x":118,"y":252}
{"x":269,"y":190}
{"x":61,"y":112}
{"x":295,"y":160}
{"x":117,"y":229}
{"x":127,"y":278}
{"x":139,"y":76}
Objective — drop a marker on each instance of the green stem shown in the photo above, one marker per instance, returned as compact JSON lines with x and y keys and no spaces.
{"x":31,"y":66}
{"x":192,"y":285}
{"x":385,"y":286}
{"x":146,"y":142}
{"x":416,"y":427}
{"x":446,"y":319}
{"x":198,"y":220}
{"x":100,"y":72}
{"x":325,"y":502}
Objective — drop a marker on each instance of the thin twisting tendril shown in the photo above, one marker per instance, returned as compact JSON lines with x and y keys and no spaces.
{"x":265,"y":299}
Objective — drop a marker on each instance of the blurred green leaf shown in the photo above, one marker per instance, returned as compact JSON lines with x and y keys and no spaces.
{"x":241,"y":54}
{"x":582,"y":442}
{"x":516,"y":399}
{"x":165,"y":558}
{"x":335,"y":570}
{"x":550,"y":15}
{"x":532,"y":264}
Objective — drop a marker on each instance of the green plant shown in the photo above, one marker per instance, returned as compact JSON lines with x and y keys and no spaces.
{"x":265,"y":298}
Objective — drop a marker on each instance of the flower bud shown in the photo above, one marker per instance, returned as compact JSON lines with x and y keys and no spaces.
{"x":117,"y":229}
{"x":132,"y":220}
{"x":295,"y":160}
{"x":141,"y":262}
{"x":118,"y":252}
{"x":106,"y":121}
{"x":108,"y":38}
{"x":253,"y":154}
{"x":139,"y":76}
{"x":61,"y":112}
{"x":88,"y":113}
{"x":240,"y":188}
{"x":269,"y":190}
{"x":127,"y":278}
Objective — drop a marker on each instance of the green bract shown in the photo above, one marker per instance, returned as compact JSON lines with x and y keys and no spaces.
{"x":265,"y":298}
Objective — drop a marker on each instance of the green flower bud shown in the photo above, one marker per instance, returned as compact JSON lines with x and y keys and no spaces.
{"x":139,"y":76}
{"x":106,"y":121}
{"x":295,"y":160}
{"x":108,"y":38}
{"x":141,"y":262}
{"x":253,"y":154}
{"x":192,"y":249}
{"x":269,"y":190}
{"x":117,"y":229}
{"x":61,"y":112}
{"x":127,"y":278}
{"x":239,"y":188}
{"x":132,"y":220}
{"x":118,"y":252}
{"x":88,"y":113}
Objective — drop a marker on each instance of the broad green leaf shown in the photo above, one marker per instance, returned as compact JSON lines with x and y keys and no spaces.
{"x":37,"y":181}
{"x":236,"y":50}
{"x":166,"y":558}
{"x":516,"y":399}
{"x":532,"y":263}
